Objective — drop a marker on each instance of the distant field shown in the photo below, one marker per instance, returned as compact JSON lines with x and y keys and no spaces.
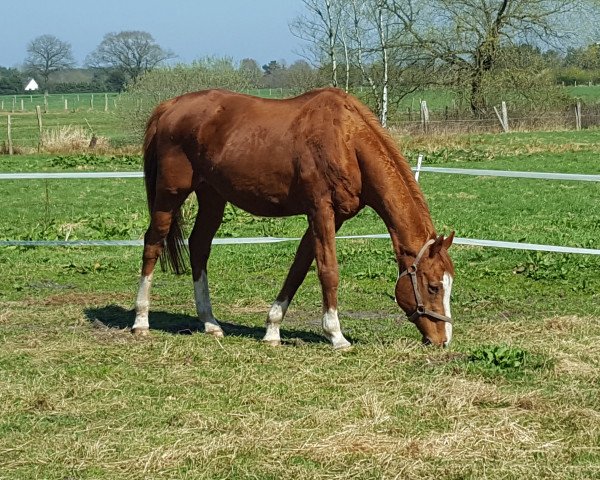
{"x":81,"y":112}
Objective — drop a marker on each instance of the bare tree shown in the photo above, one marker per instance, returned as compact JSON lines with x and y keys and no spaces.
{"x":131,"y":52}
{"x":466,"y":35}
{"x":319,"y":26}
{"x":46,"y":55}
{"x":385,"y":54}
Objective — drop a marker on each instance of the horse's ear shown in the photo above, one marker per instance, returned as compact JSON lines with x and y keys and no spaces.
{"x":437,"y":246}
{"x":441,"y":242}
{"x":448,"y":240}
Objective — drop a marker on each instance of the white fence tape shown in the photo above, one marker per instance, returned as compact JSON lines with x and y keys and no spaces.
{"x":51,"y":176}
{"x":513,"y":174}
{"x":258,"y":240}
{"x":456,"y":171}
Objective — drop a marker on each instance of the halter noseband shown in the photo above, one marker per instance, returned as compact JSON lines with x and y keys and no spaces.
{"x":420,"y":310}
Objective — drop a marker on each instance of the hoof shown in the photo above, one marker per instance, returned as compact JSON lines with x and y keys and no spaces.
{"x":140,"y":332}
{"x":342,"y":346}
{"x":272,"y":343}
{"x":215,"y":333}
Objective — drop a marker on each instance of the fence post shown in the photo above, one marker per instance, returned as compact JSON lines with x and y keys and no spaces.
{"x":38,"y":111}
{"x":92,"y":102}
{"x":45,"y":103}
{"x":578,"y":116}
{"x":424,"y":116}
{"x":503,"y":118}
{"x":106,"y":102}
{"x":418,"y":171}
{"x":9,"y":132}
{"x":22,"y":106}
{"x":66,"y":104}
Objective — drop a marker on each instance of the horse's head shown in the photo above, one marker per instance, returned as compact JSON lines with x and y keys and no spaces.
{"x":423,"y":290}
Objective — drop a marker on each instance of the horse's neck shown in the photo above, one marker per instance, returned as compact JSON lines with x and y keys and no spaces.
{"x":396,"y":197}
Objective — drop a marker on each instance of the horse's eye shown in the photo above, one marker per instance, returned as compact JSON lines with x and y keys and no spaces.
{"x":433,"y":289}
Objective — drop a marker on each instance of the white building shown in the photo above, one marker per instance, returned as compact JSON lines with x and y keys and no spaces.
{"x":31,"y":86}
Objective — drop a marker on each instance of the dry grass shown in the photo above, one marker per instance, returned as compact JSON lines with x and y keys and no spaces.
{"x":510,"y":146}
{"x":71,"y":139}
{"x":99,"y":403}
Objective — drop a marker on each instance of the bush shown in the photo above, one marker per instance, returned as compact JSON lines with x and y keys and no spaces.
{"x":161,"y":84}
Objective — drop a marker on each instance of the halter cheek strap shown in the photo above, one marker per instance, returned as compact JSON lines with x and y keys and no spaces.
{"x":420,"y":309}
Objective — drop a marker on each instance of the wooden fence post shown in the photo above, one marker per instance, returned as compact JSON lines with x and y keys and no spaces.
{"x":45,"y":103}
{"x":92,"y":102}
{"x":66,"y":104}
{"x":503,"y":118}
{"x":106,"y":102}
{"x":22,"y":106}
{"x":9,"y":132}
{"x":578,"y":116}
{"x":38,"y":111}
{"x":424,"y":116}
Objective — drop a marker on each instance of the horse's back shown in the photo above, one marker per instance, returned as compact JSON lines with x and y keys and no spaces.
{"x":271,"y":157}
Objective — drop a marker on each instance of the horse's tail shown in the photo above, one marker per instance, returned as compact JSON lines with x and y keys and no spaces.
{"x":174,"y":248}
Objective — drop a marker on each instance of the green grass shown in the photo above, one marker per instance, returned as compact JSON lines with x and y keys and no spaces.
{"x":25,"y":129}
{"x":516,"y":396}
{"x":588,"y":94}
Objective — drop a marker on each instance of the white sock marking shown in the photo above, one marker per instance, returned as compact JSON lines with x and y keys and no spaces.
{"x":204,"y":307}
{"x":274,"y":319}
{"x":447,"y":285}
{"x":142,"y":303}
{"x":332,"y":329}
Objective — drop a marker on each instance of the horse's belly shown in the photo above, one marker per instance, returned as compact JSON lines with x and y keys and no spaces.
{"x":255,"y":198}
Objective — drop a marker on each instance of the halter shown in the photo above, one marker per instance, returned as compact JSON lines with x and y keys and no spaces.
{"x":420,"y":310}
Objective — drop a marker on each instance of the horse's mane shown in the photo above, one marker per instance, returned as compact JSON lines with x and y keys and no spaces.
{"x":393,"y":157}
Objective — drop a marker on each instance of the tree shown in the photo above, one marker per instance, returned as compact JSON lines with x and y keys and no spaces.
{"x":162,"y":83}
{"x":251,"y":70}
{"x":130,"y":52}
{"x":274,"y":76}
{"x":301,"y":77}
{"x":46,"y":55}
{"x":469,"y":35}
{"x":320,"y":27}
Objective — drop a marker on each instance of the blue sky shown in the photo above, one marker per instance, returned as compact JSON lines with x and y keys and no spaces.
{"x":192,"y":29}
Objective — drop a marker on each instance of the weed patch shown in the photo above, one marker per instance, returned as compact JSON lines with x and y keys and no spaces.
{"x":495,"y":359}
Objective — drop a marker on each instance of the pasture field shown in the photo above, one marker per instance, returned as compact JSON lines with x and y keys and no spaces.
{"x":108,"y":124}
{"x":515,"y":396}
{"x":25,"y":130}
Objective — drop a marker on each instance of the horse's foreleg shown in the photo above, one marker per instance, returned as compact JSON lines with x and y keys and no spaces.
{"x":160,"y":223}
{"x":208,"y":220}
{"x":323,"y":229}
{"x":302,"y":261}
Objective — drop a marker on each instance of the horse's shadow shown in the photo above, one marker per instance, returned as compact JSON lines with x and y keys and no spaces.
{"x":115,"y":316}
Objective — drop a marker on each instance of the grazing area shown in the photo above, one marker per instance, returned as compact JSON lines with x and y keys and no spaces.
{"x":515,"y":396}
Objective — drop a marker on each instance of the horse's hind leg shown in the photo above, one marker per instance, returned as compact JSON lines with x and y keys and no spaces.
{"x":208,"y":220}
{"x":165,"y":204}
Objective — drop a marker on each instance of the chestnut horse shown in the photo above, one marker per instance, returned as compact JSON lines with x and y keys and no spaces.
{"x":322,"y":154}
